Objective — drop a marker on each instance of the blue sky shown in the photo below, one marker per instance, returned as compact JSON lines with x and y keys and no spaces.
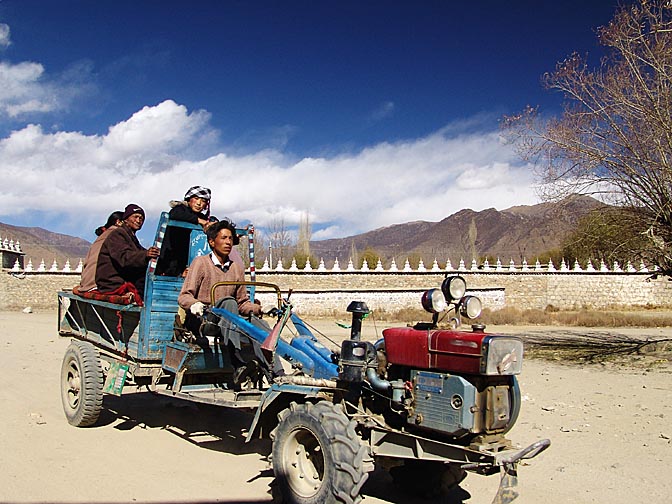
{"x":360,"y":113}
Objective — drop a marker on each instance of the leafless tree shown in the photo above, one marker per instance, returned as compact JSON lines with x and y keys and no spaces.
{"x":280,"y":239}
{"x":614,"y":136}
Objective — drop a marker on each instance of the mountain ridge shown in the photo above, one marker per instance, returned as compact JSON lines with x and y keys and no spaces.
{"x":520,"y":232}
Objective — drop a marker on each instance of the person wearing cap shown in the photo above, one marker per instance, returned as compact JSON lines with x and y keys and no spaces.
{"x":122,"y":261}
{"x":195,"y":209}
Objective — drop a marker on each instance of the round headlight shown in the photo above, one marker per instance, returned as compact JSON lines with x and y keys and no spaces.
{"x":453,"y":288}
{"x":470,"y":307}
{"x":433,"y":301}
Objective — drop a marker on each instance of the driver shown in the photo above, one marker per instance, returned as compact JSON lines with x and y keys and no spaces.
{"x":207,"y":270}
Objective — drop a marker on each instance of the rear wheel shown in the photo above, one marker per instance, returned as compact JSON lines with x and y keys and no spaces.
{"x":82,"y":384}
{"x":317,"y":455}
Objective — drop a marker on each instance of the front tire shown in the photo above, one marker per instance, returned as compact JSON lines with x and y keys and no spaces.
{"x":317,"y":455}
{"x":82,"y":384}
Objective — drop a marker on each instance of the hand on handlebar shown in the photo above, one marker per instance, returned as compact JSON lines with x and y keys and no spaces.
{"x":197,"y":308}
{"x":270,"y":309}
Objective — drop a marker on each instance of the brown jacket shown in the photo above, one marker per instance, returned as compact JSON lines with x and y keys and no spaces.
{"x":88,"y":280}
{"x":121,"y":259}
{"x":203,"y":274}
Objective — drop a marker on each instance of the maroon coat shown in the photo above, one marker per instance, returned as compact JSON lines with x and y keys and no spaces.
{"x":121,"y":259}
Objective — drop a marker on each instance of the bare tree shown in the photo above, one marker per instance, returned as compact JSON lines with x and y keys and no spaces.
{"x":614,"y":136}
{"x":280,"y":239}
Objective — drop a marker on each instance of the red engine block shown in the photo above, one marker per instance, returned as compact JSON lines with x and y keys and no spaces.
{"x":439,"y":350}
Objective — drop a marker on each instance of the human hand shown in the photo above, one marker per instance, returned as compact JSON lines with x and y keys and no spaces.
{"x":153,"y":252}
{"x":197,"y":308}
{"x":269,"y":309}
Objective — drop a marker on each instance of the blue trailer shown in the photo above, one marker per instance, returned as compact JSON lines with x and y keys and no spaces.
{"x":427,"y":404}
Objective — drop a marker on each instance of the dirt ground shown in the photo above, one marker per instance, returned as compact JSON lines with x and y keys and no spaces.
{"x":610,"y":427}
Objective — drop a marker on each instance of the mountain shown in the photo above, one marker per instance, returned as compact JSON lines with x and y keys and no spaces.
{"x":520,"y":232}
{"x":39,"y":244}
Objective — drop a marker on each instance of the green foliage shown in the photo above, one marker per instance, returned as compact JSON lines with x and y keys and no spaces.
{"x":302,"y":258}
{"x":554,"y":255}
{"x":371,"y":256}
{"x":414,"y":260}
{"x":611,"y":234}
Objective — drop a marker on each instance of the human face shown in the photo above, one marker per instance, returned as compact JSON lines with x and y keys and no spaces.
{"x":197,"y":204}
{"x":222,"y":244}
{"x":135,"y":221}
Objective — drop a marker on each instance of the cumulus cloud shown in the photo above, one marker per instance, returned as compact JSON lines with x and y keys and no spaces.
{"x":143,"y":159}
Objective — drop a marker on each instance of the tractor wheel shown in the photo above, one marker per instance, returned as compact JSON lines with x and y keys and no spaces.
{"x":82,"y":384}
{"x":427,"y":479}
{"x":317,"y":455}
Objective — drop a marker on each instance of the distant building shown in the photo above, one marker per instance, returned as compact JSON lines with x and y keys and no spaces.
{"x":10,"y":253}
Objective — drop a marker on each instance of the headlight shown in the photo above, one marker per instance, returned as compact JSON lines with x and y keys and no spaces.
{"x":503,"y":355}
{"x":433,"y":301}
{"x":470,"y":307}
{"x":454,"y":288}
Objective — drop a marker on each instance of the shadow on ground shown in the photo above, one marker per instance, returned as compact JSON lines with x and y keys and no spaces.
{"x":223,"y":429}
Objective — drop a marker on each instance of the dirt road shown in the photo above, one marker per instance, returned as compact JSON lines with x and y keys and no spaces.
{"x":610,"y":428}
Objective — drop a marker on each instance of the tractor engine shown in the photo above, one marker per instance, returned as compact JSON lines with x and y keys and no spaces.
{"x":456,"y":383}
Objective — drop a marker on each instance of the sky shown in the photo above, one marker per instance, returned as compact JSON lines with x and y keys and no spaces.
{"x":358,"y":114}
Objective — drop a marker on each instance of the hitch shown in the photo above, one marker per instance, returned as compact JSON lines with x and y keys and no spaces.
{"x":507,"y":493}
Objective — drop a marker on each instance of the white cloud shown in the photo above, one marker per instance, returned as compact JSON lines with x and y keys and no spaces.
{"x":167,"y":126}
{"x":26,"y":89}
{"x":144,"y":160}
{"x":5,"y":41}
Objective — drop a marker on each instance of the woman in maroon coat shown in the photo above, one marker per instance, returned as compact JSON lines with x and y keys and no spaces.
{"x":122,"y":259}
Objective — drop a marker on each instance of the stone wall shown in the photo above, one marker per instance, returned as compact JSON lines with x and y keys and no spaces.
{"x":327,"y":293}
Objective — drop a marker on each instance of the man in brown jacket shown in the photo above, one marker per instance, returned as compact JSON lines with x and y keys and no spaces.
{"x":217,"y":266}
{"x":203,"y":273}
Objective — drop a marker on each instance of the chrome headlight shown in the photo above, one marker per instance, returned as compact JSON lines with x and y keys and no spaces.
{"x":503,"y":355}
{"x":453,"y":288}
{"x":433,"y":301}
{"x":470,"y":307}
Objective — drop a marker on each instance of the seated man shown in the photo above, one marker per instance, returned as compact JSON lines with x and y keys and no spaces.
{"x":207,"y":270}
